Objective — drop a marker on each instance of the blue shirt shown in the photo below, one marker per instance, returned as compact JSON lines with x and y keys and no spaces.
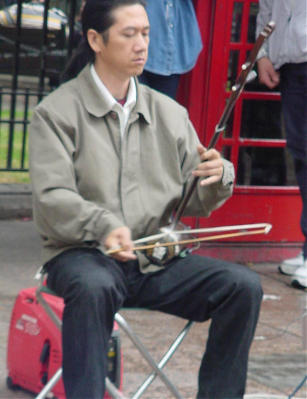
{"x":175,"y":40}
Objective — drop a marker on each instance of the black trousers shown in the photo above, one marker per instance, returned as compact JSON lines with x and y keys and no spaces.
{"x":293,"y":89}
{"x":95,"y":287}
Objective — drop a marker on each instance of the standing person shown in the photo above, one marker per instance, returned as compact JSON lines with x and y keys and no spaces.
{"x":175,"y":44}
{"x":284,"y":60}
{"x":108,"y":165}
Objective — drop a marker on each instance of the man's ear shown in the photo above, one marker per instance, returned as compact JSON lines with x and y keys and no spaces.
{"x":94,"y":40}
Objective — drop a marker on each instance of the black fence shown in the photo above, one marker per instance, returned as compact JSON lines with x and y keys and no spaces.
{"x":32,"y":59}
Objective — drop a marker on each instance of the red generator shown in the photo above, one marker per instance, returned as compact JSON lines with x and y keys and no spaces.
{"x":34,"y":352}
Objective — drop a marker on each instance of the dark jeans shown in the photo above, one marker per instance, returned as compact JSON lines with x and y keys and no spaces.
{"x":294,"y":107}
{"x":301,"y":176}
{"x":165,"y":84}
{"x":95,"y":287}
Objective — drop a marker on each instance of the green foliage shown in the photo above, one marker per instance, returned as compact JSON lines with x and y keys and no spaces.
{"x":20,"y":144}
{"x":14,"y":177}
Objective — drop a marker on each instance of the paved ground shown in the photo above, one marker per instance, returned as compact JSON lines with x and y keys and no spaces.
{"x":278,"y":355}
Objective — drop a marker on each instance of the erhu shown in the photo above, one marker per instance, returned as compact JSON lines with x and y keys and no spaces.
{"x":171,"y":240}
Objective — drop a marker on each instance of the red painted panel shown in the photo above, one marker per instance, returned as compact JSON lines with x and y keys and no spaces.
{"x":282,"y":210}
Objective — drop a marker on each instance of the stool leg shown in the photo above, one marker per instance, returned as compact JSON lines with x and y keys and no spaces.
{"x":123,"y":324}
{"x":46,"y":307}
{"x":164,"y":360}
{"x":113,"y":391}
{"x":50,"y":384}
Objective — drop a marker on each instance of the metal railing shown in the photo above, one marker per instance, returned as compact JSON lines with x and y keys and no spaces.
{"x":31,"y":62}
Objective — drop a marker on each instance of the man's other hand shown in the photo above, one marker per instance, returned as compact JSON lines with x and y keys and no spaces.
{"x":120,"y":238}
{"x":211,"y":166}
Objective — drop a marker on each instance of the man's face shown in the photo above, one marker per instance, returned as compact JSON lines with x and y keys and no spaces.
{"x":124,"y":54}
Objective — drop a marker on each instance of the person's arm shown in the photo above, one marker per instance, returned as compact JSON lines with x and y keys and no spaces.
{"x":263,"y":17}
{"x":266,"y":71}
{"x":61,"y":213}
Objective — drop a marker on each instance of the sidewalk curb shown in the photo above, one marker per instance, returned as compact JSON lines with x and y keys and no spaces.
{"x":15,"y":200}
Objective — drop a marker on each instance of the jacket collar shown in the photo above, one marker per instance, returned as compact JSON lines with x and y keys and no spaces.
{"x":96,"y":105}
{"x":142,"y":101}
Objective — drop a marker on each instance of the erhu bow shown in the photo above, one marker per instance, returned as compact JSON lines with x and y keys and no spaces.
{"x":160,"y":248}
{"x":155,"y":245}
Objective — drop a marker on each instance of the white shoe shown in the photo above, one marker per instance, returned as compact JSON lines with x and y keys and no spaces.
{"x":299,"y":278}
{"x":289,"y":266}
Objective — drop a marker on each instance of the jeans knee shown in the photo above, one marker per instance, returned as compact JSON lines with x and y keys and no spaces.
{"x":248,"y":285}
{"x":89,"y":292}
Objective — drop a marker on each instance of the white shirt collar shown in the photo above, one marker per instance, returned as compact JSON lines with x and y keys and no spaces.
{"x":131,"y":96}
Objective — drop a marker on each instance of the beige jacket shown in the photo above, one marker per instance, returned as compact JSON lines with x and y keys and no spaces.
{"x":88,"y":181}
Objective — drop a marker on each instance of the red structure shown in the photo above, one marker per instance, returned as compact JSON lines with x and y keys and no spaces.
{"x":265,"y":187}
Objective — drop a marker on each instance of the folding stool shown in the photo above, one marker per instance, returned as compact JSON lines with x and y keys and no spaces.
{"x":156,"y":367}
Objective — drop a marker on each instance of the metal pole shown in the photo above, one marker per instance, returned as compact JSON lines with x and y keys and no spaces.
{"x":14,"y":86}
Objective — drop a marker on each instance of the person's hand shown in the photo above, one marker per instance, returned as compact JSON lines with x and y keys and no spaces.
{"x":120,"y":238}
{"x":267,"y":74}
{"x":211,"y":167}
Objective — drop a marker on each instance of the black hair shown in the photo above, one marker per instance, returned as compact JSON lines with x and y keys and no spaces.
{"x":97,"y":15}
